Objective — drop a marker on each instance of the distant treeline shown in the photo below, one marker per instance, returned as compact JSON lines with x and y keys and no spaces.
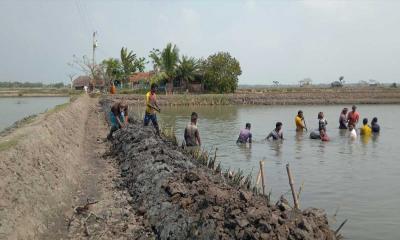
{"x":30,"y":85}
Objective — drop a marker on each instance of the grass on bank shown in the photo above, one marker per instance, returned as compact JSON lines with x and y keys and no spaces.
{"x":9,"y":143}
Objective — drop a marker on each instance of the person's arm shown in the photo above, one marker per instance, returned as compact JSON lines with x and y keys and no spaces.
{"x":197,"y":135}
{"x":269,"y":135}
{"x":126,"y":117}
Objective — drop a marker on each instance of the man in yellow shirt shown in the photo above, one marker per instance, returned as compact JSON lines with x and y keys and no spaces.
{"x":365,"y":129}
{"x":300,"y":123}
{"x":151,"y":108}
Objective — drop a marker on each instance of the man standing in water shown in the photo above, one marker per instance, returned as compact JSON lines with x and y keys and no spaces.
{"x":343,"y":119}
{"x":151,"y":108}
{"x":375,"y":126}
{"x":118,"y":117}
{"x":365,"y":130}
{"x":277,"y":133}
{"x":192,"y":135}
{"x":353,"y":116}
{"x":245,"y":135}
{"x":300,"y":122}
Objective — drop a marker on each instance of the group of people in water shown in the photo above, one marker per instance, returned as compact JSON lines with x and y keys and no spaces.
{"x":347,"y":120}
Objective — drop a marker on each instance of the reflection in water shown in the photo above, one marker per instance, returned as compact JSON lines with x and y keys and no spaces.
{"x":343,"y":132}
{"x":365,"y":139}
{"x":245,"y":149}
{"x":276,"y":146}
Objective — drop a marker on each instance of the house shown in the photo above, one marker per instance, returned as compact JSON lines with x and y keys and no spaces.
{"x":140,"y":79}
{"x":82,"y":81}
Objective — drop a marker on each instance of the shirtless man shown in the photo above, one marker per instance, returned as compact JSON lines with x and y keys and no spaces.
{"x":277,"y":133}
{"x":192,"y":135}
{"x":245,"y":135}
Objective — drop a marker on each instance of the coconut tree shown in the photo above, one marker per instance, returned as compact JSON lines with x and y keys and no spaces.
{"x":187,"y":69}
{"x":130,"y":63}
{"x":169,"y":60}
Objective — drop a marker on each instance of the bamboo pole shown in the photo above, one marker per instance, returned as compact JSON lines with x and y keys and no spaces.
{"x":262,"y":176}
{"x":296,"y":203}
{"x":258,"y":177}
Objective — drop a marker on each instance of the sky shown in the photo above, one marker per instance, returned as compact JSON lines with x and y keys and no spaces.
{"x":283,"y":41}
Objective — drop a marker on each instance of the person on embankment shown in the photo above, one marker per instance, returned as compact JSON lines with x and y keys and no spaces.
{"x":118,"y":117}
{"x":277,"y":133}
{"x":245,"y":135}
{"x":343,"y":119}
{"x":192,"y":135}
{"x":151,"y":108}
{"x":300,"y":122}
{"x":353,"y":116}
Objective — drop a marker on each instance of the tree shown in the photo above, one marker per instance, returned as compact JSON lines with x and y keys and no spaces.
{"x":130,"y":63}
{"x":187,"y":69}
{"x":71,"y":78}
{"x":169,"y":58}
{"x":155,"y":56}
{"x":113,"y":70}
{"x":276,"y":83}
{"x":221,"y":73}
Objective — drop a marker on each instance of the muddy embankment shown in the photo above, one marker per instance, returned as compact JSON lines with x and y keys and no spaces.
{"x":180,"y":198}
{"x":56,"y":182}
{"x":278,"y":96}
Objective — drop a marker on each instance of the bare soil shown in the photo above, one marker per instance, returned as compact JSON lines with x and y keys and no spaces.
{"x":56,"y":167}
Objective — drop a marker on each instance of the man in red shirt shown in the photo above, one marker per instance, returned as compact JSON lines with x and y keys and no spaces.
{"x":353,"y":116}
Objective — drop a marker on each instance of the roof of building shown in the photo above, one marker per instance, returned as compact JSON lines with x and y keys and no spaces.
{"x":85,"y":81}
{"x":136,"y":77}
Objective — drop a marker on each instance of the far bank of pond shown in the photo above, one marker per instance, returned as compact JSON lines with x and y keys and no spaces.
{"x":277,"y":96}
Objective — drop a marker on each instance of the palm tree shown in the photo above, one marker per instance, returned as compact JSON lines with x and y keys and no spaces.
{"x":187,"y":69}
{"x":169,"y":60}
{"x":127,"y":59}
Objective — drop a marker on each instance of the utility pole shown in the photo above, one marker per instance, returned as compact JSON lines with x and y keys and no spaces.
{"x":95,"y":44}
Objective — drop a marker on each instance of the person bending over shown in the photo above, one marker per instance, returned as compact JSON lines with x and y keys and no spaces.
{"x":118,"y":117}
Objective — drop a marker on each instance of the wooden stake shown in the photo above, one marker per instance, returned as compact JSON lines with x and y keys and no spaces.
{"x":296,"y":203}
{"x":258,"y":177}
{"x":262,"y":176}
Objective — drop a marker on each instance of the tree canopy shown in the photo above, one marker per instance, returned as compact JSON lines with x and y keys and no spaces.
{"x":221,"y":72}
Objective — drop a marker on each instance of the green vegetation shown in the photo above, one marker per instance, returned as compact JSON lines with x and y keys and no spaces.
{"x":31,"y":85}
{"x":9,"y":143}
{"x":221,"y":73}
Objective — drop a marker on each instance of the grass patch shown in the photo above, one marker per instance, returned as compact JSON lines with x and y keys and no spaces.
{"x":9,"y":143}
{"x":58,"y":108}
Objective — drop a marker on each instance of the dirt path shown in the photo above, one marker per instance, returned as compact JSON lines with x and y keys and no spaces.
{"x":110,"y":216}
{"x":57,"y":166}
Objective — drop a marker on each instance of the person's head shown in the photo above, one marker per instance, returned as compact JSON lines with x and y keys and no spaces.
{"x":278,"y":126}
{"x":194,"y":117}
{"x":365,"y":121}
{"x":248,"y":125}
{"x":322,"y":132}
{"x":354,"y":108}
{"x":351,"y":127}
{"x":300,"y":113}
{"x":153,"y":87}
{"x":320,"y":115}
{"x":374,"y":120}
{"x":345,"y":110}
{"x":123,"y":106}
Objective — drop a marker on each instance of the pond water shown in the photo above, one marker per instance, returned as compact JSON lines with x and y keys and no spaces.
{"x":15,"y":108}
{"x":359,"y":179}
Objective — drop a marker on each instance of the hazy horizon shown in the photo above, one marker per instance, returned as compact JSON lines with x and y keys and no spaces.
{"x":283,"y":41}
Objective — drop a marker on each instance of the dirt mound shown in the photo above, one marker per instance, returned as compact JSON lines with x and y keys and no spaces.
{"x":181,"y":199}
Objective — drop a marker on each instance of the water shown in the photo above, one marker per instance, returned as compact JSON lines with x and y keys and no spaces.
{"x":13,"y":109}
{"x":360,"y":178}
